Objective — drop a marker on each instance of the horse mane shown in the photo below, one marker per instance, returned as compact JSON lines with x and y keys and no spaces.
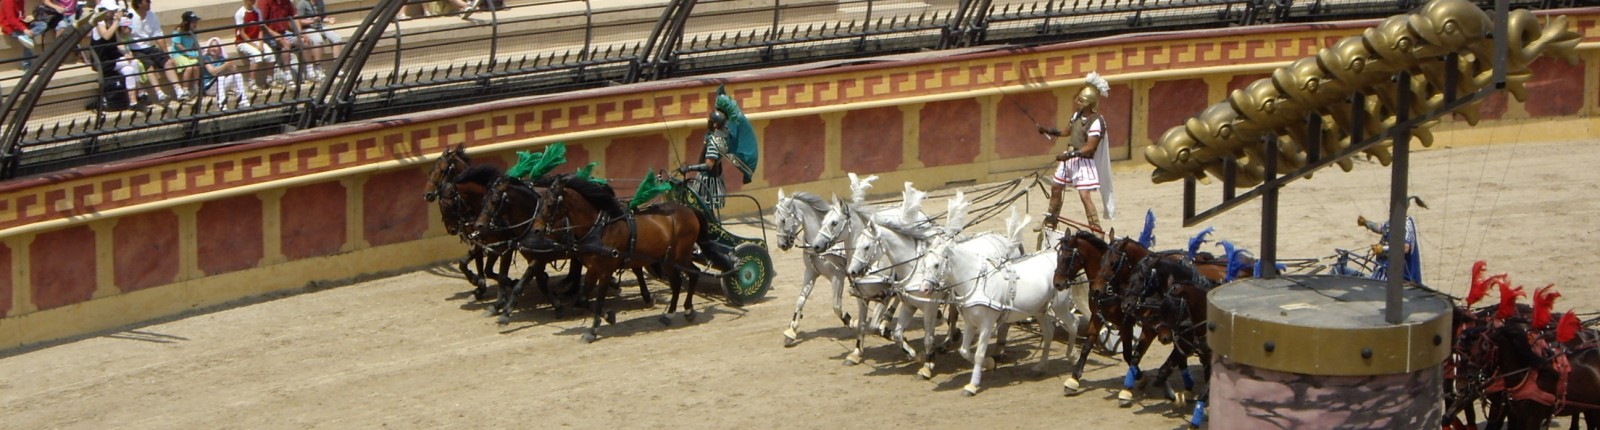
{"x":816,"y":203}
{"x":1093,"y":239}
{"x":603,"y":197}
{"x":481,"y":174}
{"x":920,"y":230}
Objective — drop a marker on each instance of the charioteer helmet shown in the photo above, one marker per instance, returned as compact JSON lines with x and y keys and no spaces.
{"x":1089,"y":97}
{"x":717,"y":120}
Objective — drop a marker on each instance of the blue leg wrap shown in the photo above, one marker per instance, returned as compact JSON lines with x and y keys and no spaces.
{"x":1188,"y":380}
{"x":1199,"y":413}
{"x":1133,"y":375}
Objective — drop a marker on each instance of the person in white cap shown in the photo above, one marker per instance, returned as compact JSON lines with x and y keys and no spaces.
{"x":150,"y":48}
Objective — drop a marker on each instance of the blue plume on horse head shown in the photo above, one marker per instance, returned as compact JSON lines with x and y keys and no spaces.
{"x":1147,"y":238}
{"x":1199,"y":239}
{"x":1235,"y":260}
{"x":1281,"y":267}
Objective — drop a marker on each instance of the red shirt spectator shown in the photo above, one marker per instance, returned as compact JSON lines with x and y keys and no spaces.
{"x":277,"y":14}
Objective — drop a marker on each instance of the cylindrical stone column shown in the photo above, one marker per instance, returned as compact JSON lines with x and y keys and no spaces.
{"x":1314,"y":352}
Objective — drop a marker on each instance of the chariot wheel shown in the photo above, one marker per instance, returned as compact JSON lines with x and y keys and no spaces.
{"x":750,"y":276}
{"x":1111,"y":341}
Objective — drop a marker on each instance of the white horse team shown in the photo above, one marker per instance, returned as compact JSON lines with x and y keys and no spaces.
{"x":898,"y":257}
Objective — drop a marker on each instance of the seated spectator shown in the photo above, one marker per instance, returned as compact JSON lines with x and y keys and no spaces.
{"x":217,"y":72}
{"x":120,"y":72}
{"x":281,"y":30}
{"x":15,"y":24}
{"x":150,"y":48}
{"x":186,"y":50}
{"x":313,"y":15}
{"x":56,"y":14}
{"x":247,"y":36}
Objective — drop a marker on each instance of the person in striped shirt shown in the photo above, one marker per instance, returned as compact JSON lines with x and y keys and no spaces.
{"x":709,"y":182}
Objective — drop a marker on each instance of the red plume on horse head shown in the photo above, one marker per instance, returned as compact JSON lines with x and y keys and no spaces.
{"x":1543,"y":300}
{"x":1567,"y":328}
{"x":1508,"y":300}
{"x":1479,"y":286}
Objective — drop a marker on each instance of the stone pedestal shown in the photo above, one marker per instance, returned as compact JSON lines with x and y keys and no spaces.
{"x":1314,"y":352}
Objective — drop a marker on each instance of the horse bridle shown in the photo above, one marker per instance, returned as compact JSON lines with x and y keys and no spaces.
{"x":495,"y":202}
{"x":784,"y":212}
{"x":446,"y":175}
{"x":1076,"y":257}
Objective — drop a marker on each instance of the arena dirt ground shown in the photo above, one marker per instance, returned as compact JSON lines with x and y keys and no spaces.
{"x":411,"y":351}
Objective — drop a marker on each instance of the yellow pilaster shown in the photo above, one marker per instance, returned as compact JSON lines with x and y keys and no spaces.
{"x":355,"y":213}
{"x":188,"y":242}
{"x":987,"y":108}
{"x":1591,"y":83}
{"x":1066,"y":101}
{"x":271,"y":226}
{"x":759,"y":180}
{"x":1139,"y":122}
{"x":677,"y":146}
{"x":1216,"y":87}
{"x":597,"y":152}
{"x":833,"y":136}
{"x":21,"y":282}
{"x":105,"y":268}
{"x":435,"y":220}
{"x":911,"y":137}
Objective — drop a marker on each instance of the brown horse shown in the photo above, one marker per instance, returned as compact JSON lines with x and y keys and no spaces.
{"x":1169,"y":299}
{"x":660,"y":237}
{"x":1524,"y":376}
{"x":1086,"y":253}
{"x":458,"y":187}
{"x":508,"y":217}
{"x":1124,"y":259}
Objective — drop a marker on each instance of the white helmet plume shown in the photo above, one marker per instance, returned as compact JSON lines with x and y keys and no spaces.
{"x":1099,"y":83}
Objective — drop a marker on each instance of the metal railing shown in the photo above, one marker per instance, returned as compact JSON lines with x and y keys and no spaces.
{"x":57,"y":114}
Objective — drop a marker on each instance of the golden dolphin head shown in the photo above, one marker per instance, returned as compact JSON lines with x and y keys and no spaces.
{"x":1449,"y":25}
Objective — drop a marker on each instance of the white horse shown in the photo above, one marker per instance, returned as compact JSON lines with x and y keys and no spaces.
{"x":800,"y":214}
{"x":951,"y":266}
{"x":1010,"y":292}
{"x":845,"y":225}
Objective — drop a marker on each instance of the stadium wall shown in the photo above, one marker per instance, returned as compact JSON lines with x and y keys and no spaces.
{"x":101,"y":247}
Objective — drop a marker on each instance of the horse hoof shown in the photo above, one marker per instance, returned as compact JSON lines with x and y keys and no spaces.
{"x":846,"y":319}
{"x":926,"y":373}
{"x":589,"y":337}
{"x":1072,"y":387}
{"x":611,"y":317}
{"x":1124,"y":398}
{"x":503,"y":319}
{"x":790,"y":338}
{"x":853,"y":359}
{"x":969,"y":390}
{"x":988,"y":363}
{"x":490,"y":311}
{"x":665,"y":320}
{"x":1181,"y":397}
{"x":689,"y":315}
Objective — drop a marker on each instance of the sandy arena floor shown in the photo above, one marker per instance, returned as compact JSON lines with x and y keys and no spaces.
{"x":411,"y":351}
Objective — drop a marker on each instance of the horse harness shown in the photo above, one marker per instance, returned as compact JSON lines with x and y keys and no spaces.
{"x":1528,"y":388}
